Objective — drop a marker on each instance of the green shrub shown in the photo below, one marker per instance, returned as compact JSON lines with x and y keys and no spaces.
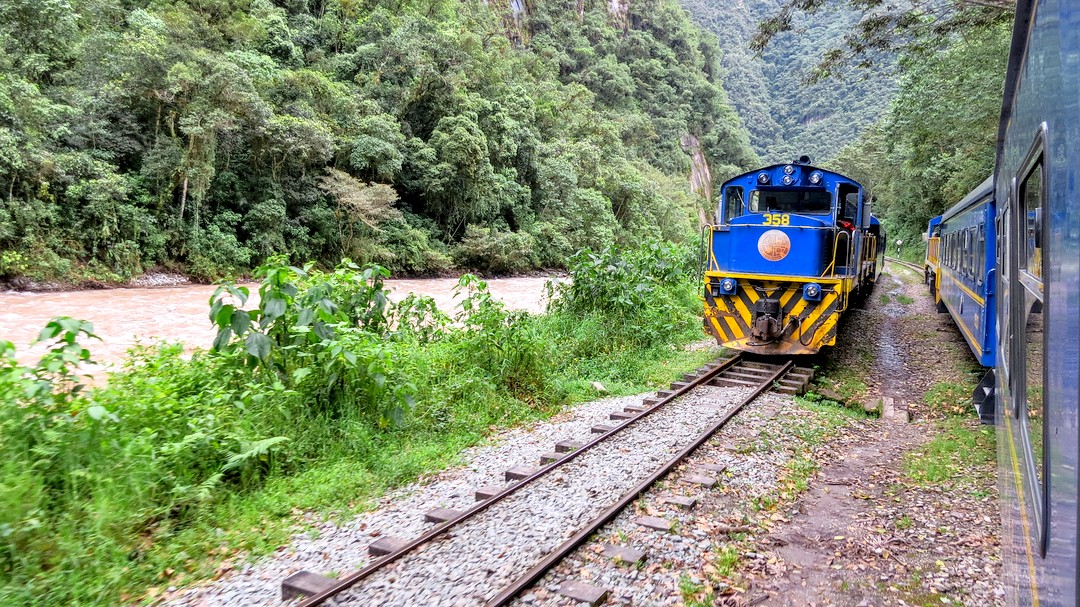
{"x":491,"y":250}
{"x":101,"y":490}
{"x":644,"y":296}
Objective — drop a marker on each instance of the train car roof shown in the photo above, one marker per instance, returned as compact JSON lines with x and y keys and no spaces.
{"x":981,"y":191}
{"x":805,"y":167}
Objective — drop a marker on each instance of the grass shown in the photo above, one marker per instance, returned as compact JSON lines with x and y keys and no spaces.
{"x":949,"y":398}
{"x":960,"y":452}
{"x":726,"y":561}
{"x":180,"y":467}
{"x":904,"y":299}
{"x":884,"y":298}
{"x":695,"y":594}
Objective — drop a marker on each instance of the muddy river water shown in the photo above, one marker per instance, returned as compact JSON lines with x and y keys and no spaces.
{"x":125,"y":317}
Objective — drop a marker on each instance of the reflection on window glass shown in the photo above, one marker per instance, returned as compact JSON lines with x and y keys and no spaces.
{"x":1032,"y":194}
{"x":1031,"y":294}
{"x":1005,"y":263}
{"x":790,"y":201}
{"x":980,"y":261}
{"x":1034,"y":378}
{"x":733,"y":198}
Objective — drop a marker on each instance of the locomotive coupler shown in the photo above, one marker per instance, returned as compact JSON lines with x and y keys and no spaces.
{"x":766,"y":322}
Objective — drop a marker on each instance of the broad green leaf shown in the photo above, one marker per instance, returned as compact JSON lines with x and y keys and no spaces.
{"x":240,"y":322}
{"x":273,"y":308}
{"x":222,"y":339}
{"x":258,"y":345}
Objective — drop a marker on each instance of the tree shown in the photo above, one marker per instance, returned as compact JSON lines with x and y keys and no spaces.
{"x":883,"y":27}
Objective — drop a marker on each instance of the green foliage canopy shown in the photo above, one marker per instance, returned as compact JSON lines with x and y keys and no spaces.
{"x":201,"y":134}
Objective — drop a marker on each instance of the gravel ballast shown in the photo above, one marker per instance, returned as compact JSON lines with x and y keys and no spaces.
{"x":569,"y":496}
{"x":490,"y":551}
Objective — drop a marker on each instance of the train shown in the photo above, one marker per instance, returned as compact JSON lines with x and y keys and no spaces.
{"x":1005,"y":263}
{"x":793,"y":248}
{"x":960,"y":268}
{"x":1037,"y":223}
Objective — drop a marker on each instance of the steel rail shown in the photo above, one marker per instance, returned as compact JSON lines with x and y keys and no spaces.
{"x":907,"y":264}
{"x":355,"y":577}
{"x":538,"y":571}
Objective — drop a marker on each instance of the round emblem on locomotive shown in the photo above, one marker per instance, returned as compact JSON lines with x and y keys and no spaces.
{"x":774,"y":245}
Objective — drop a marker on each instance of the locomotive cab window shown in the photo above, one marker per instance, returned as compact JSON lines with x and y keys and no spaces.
{"x":848,"y":200}
{"x":813,"y":202}
{"x":733,"y":202}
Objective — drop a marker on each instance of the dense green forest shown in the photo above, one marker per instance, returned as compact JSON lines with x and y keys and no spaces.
{"x":207,"y":135}
{"x":938,"y":138}
{"x":786,"y":114}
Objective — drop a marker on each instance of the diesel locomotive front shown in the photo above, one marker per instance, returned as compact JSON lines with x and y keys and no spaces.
{"x":794,"y":247}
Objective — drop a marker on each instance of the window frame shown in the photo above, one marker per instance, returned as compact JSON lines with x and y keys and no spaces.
{"x":1022,"y":283}
{"x":725,"y":201}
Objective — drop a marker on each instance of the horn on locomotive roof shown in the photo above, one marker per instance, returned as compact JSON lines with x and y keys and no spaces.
{"x":801,"y":160}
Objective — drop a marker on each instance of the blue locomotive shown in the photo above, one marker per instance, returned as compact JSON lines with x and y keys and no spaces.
{"x":795,"y":246}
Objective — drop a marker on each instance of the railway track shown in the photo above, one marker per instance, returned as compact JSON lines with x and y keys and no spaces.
{"x":907,"y":264}
{"x":498,"y":580}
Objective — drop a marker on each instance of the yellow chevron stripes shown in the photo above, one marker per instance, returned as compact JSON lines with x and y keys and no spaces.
{"x":807,"y":325}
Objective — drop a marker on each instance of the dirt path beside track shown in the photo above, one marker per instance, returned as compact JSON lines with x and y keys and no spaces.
{"x":886,"y":521}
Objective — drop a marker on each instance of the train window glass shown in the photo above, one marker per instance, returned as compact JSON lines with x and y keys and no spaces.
{"x":733,"y":202}
{"x":967,"y":252}
{"x":848,"y":197}
{"x":790,"y":201}
{"x":1005,"y":317}
{"x":1030,"y":377}
{"x":1031,"y":192}
{"x":980,"y":248}
{"x":971,"y":253}
{"x":1034,"y":354}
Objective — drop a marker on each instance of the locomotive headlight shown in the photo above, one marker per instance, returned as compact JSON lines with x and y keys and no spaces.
{"x":815,"y":177}
{"x":763,"y":178}
{"x":788,"y":170}
{"x":812,"y":292}
{"x":788,"y":180}
{"x":727,"y":286}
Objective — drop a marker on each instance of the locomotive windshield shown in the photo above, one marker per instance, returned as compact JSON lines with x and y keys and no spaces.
{"x":790,"y":201}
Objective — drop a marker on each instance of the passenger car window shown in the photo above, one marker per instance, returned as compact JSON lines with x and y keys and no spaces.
{"x":1032,"y":301}
{"x":980,"y":260}
{"x":1031,"y":193}
{"x":968,"y":253}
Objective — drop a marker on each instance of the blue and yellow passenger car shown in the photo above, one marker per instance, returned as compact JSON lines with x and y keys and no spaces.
{"x":794,"y":247}
{"x":963,"y":277}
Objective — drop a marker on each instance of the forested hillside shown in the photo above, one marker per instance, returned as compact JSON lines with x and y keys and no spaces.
{"x":937,"y":141}
{"x":206,"y":135}
{"x":786,"y":115}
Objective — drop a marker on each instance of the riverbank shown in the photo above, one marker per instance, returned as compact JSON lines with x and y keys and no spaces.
{"x":127,"y":316}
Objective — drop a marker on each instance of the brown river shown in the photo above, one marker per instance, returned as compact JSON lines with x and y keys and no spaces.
{"x":125,"y":317}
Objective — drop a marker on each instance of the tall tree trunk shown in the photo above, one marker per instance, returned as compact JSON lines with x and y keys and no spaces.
{"x":183,"y":198}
